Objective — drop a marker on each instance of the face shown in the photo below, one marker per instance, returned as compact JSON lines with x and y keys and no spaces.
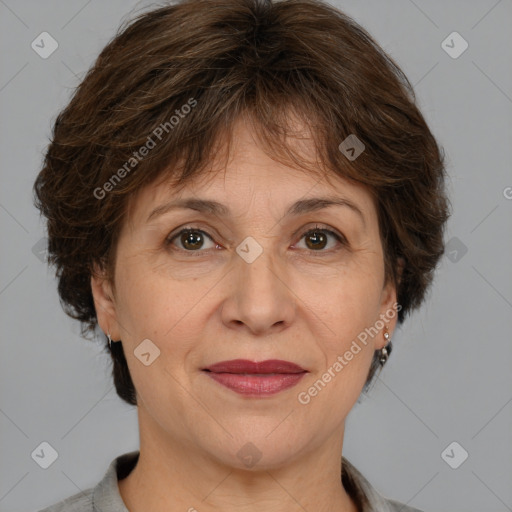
{"x":269,"y":275}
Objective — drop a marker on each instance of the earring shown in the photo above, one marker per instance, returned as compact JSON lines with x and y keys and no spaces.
{"x":384,"y":352}
{"x":110,"y":340}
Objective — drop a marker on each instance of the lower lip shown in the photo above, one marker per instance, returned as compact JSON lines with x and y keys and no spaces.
{"x":257,"y":385}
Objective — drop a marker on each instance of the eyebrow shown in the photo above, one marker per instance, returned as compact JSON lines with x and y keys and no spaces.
{"x":215,"y":208}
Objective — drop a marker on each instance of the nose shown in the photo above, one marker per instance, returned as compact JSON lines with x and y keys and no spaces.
{"x":260,"y":300}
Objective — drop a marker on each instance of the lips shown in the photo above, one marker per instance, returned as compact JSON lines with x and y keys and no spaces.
{"x":256,"y":378}
{"x":255,"y":367}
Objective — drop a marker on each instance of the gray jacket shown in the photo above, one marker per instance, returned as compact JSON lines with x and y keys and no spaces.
{"x":105,"y":497}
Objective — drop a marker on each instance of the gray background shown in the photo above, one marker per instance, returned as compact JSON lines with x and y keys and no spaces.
{"x":449,"y":377}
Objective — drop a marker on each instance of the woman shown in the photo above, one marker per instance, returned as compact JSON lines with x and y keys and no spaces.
{"x":244,"y":197}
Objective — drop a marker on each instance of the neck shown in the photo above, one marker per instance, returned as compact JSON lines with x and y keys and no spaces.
{"x":173,"y":475}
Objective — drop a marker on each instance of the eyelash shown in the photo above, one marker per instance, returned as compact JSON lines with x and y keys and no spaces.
{"x":169,"y":240}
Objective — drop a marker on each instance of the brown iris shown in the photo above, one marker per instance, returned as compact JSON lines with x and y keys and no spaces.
{"x":318,"y":239}
{"x":192,"y":240}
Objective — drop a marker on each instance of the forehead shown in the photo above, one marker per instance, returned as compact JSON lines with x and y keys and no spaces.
{"x":251,"y":179}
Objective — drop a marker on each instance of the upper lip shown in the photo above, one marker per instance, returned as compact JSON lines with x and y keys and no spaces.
{"x":255,"y":367}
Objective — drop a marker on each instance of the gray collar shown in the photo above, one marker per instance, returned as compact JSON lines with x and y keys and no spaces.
{"x":106,"y":496}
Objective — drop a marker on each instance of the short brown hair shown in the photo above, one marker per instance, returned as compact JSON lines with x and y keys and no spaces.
{"x":224,"y":59}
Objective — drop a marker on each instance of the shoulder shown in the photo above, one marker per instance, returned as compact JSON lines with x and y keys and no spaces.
{"x":105,"y":495}
{"x":80,"y":502}
{"x":379,"y":503}
{"x":396,"y":506}
{"x":367,"y":498}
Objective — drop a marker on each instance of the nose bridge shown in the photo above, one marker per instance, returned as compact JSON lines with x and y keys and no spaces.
{"x":259,"y":297}
{"x":258,"y":262}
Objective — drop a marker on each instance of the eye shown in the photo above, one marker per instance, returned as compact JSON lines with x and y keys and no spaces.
{"x":194,"y":240}
{"x":317,"y":239}
{"x":191,"y":240}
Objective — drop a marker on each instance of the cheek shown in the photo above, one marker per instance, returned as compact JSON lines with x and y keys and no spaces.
{"x":172,"y":314}
{"x":346,"y":306}
{"x":345,"y":347}
{"x":150,"y":304}
{"x":164,"y":312}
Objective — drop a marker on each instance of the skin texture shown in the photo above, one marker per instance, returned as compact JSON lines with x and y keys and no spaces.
{"x":295,"y":302}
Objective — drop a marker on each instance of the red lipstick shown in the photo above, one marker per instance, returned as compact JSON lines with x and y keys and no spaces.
{"x":256,"y":378}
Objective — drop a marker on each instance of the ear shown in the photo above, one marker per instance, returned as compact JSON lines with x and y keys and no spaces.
{"x":389,"y":306}
{"x":104,"y":302}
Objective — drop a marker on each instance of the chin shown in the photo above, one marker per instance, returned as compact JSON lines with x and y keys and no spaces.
{"x":257,"y":451}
